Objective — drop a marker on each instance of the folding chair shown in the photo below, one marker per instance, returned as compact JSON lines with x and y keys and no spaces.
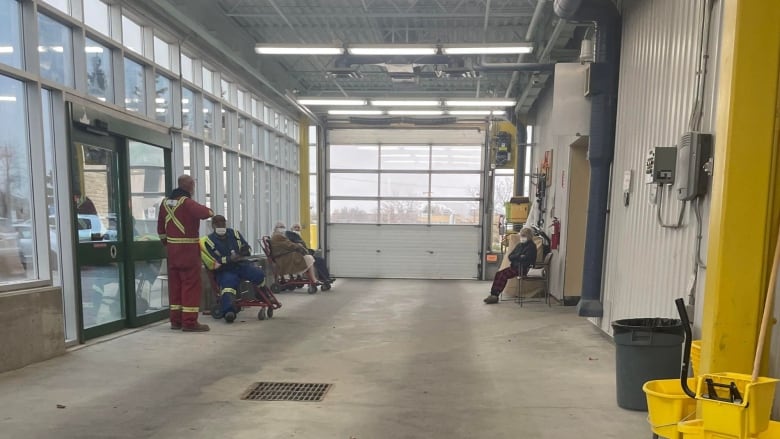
{"x":539,"y":275}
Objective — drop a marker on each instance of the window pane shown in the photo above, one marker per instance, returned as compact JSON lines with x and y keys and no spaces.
{"x":162,"y":102}
{"x":162,"y":53}
{"x":208,"y":80}
{"x":208,"y":118}
{"x":313,"y":159}
{"x":186,"y":68}
{"x":62,"y":5}
{"x":186,"y":151}
{"x":256,"y":134}
{"x":353,"y":211}
{"x":254,"y":110}
{"x":404,"y":185}
{"x":17,"y":235}
{"x":313,"y":210}
{"x":266,"y":114}
{"x":131,"y":35}
{"x":135,"y":90}
{"x":267,"y":145}
{"x":224,"y":89}
{"x":405,"y":157}
{"x":99,"y":75}
{"x":455,"y":212}
{"x":353,"y":156}
{"x":10,"y":33}
{"x":55,"y":51}
{"x":242,"y":141}
{"x":353,"y":185}
{"x":51,"y":189}
{"x":96,"y":15}
{"x":455,"y":185}
{"x":403,"y":212}
{"x":227,"y":116}
{"x":187,"y":109}
{"x":456,"y":158}
{"x":240,"y":100}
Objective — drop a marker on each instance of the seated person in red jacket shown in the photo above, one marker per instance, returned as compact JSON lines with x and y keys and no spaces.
{"x":522,"y":258}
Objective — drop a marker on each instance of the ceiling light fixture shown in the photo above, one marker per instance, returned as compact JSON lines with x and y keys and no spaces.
{"x":6,"y":49}
{"x":488,"y":49}
{"x":7,"y":98}
{"x":293,"y":49}
{"x":321,"y":101}
{"x":415,"y":112}
{"x":405,"y":49}
{"x":481,"y":103}
{"x":404,"y":103}
{"x":356,"y":112}
{"x":469,"y":113}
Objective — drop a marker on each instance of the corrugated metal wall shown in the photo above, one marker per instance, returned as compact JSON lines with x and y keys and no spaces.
{"x":647,"y":266}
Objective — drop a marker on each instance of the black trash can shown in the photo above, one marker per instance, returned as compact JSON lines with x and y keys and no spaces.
{"x":647,"y":349}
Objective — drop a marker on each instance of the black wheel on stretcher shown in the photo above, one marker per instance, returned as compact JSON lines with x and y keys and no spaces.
{"x":269,"y":312}
{"x":216,"y":311}
{"x":326,"y":286}
{"x":312,"y":289}
{"x":262,"y":314}
{"x":275,"y":288}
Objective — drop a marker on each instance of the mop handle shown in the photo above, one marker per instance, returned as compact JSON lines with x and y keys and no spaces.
{"x":770,"y":293}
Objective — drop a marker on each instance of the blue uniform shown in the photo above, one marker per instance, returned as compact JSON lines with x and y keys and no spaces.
{"x":230,"y":274}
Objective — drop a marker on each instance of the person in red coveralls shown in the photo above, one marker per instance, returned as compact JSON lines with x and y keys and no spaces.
{"x":177,"y":224}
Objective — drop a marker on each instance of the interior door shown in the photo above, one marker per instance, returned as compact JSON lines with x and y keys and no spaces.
{"x":96,"y":190}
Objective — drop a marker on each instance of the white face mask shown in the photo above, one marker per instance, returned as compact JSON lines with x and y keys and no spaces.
{"x":523,"y":239}
{"x":221,"y":231}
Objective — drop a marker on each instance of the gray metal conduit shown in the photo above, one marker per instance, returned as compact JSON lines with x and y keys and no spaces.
{"x":529,"y":36}
{"x":604,"y":77}
{"x":510,"y":67}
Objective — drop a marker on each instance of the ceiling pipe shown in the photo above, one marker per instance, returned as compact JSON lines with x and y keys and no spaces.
{"x":484,"y":35}
{"x":509,"y":67}
{"x":544,"y":55}
{"x":529,"y":35}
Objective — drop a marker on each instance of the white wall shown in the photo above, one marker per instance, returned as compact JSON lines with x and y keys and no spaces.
{"x":562,"y":114}
{"x":647,"y":266}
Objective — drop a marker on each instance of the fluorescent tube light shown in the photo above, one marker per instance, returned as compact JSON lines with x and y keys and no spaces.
{"x":406,"y":103}
{"x":93,"y":49}
{"x":499,"y":113}
{"x":6,"y":49}
{"x":160,"y":110}
{"x":316,"y":101}
{"x":356,"y":112}
{"x":481,"y":103}
{"x":469,"y":113}
{"x":489,"y":49}
{"x":159,"y":100}
{"x":7,"y":98}
{"x":415,"y":112}
{"x":404,"y":49}
{"x":290,"y":49}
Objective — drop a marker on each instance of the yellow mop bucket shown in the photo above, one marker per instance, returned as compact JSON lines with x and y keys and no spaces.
{"x":667,"y":405}
{"x":733,"y":405}
{"x":693,"y":429}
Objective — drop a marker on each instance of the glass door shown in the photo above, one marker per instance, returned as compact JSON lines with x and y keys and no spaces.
{"x":96,"y":191}
{"x":146,"y":167}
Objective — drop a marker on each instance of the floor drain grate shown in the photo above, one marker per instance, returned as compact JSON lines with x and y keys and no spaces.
{"x":265,"y":391}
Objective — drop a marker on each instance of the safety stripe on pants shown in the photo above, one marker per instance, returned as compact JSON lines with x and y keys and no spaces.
{"x":190,"y":309}
{"x":175,"y":307}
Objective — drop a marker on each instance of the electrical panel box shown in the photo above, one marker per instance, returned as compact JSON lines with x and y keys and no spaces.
{"x":503,"y":148}
{"x":660,"y":165}
{"x":695,"y":151}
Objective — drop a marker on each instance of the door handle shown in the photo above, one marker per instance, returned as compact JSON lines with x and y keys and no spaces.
{"x":113,"y":251}
{"x":379,"y":251}
{"x":430,"y":251}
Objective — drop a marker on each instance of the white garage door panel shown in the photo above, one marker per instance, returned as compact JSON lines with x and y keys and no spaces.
{"x":405,"y":251}
{"x":410,"y":136}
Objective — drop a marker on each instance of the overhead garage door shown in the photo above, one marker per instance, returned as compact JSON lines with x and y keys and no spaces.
{"x":405,"y":203}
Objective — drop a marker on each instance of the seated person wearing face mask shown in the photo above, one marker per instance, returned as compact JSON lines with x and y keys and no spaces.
{"x":224,"y":252}
{"x":522,"y":258}
{"x":294,"y":235}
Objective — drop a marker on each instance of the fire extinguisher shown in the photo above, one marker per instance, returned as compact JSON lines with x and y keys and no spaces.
{"x":556,"y":234}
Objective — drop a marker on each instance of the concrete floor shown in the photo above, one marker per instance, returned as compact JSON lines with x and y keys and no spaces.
{"x":408,"y":359}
